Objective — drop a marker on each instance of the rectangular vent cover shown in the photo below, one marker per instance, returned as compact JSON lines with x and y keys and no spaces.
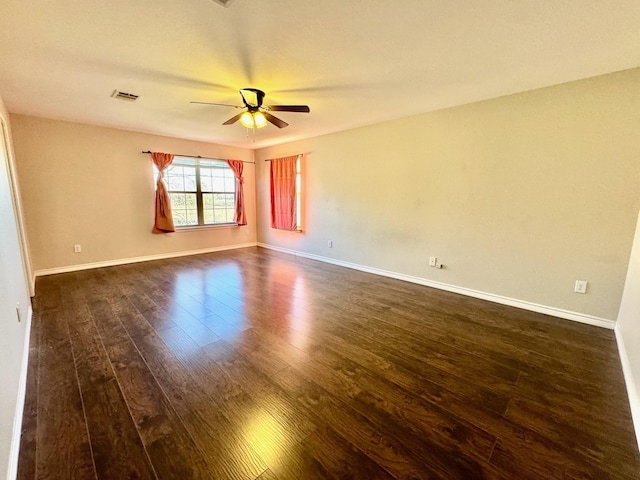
{"x":124,"y":96}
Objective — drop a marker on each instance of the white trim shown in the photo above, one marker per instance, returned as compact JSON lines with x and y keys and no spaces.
{"x":12,"y":470}
{"x":189,"y":228}
{"x":491,"y":297}
{"x":146,"y":258}
{"x":632,"y":391}
{"x":17,"y":204}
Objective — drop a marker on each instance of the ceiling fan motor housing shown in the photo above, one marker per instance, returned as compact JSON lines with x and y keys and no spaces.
{"x":250,"y":92}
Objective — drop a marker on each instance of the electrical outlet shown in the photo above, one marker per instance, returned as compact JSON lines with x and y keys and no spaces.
{"x":77,"y":248}
{"x":433,"y":261}
{"x":580,"y":287}
{"x":330,"y":244}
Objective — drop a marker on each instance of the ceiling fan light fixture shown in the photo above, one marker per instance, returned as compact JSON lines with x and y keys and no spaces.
{"x":255,"y":114}
{"x":253,"y":120}
{"x":260,"y":119}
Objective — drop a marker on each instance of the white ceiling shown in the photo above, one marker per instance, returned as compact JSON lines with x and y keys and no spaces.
{"x":354,"y":62}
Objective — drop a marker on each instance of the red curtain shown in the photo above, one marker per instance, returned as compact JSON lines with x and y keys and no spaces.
{"x":239,"y":216}
{"x":164,"y":219}
{"x":283,"y":193}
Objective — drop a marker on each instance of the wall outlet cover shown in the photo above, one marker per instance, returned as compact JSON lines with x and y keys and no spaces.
{"x":580,"y":286}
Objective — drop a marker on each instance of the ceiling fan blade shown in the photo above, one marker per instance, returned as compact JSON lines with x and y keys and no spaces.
{"x":217,"y":104}
{"x":289,"y":108}
{"x":275,"y":120}
{"x":233,"y":119}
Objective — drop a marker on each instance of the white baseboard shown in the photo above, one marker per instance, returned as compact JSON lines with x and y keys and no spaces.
{"x":632,"y":390}
{"x":12,"y":470}
{"x":512,"y":302}
{"x":146,"y":258}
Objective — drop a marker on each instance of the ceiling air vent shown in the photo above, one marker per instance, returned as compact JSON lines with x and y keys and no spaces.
{"x":124,"y":96}
{"x":224,"y":3}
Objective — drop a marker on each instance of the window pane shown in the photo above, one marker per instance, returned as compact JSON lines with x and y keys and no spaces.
{"x":192,"y":217}
{"x":207,"y":200}
{"x":208,"y":216}
{"x":206,"y":179}
{"x":230,"y":184}
{"x":229,"y":201}
{"x":218,"y":200}
{"x":190,"y":184}
{"x":175,"y":183}
{"x":190,"y":179}
{"x":179,"y":218}
{"x":219,"y":216}
{"x":177,"y":201}
{"x":206,"y":183}
{"x":230,"y":212}
{"x":218,"y":183}
{"x":184,"y":207}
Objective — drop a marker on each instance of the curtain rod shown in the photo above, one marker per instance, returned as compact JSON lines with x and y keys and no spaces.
{"x":297,"y":155}
{"x":207,"y":158}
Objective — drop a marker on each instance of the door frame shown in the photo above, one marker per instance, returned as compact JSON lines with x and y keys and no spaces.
{"x":17,"y":206}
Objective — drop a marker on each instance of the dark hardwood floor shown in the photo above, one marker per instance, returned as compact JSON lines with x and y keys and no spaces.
{"x":252,"y":364}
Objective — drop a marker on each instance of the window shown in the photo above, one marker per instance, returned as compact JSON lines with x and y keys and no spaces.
{"x":286,"y":193}
{"x":202,"y":192}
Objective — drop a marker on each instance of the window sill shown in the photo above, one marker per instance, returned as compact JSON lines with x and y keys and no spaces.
{"x":206,"y":227}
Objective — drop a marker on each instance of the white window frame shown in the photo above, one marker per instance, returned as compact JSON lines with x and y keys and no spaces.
{"x":200,"y":220}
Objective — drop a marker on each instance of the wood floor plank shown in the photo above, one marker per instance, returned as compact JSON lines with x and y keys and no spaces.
{"x":63,"y":446}
{"x":159,"y":426}
{"x":378,"y":398}
{"x":267,"y":475}
{"x":386,"y":451}
{"x":217,"y":438}
{"x":379,"y":394}
{"x":471,"y":411}
{"x":349,"y":347}
{"x":28,"y":438}
{"x":591,"y":446}
{"x":539,"y":388}
{"x":559,"y":401}
{"x":117,"y":449}
{"x":235,"y":373}
{"x":340,"y":458}
{"x":501,"y":344}
{"x":254,"y":364}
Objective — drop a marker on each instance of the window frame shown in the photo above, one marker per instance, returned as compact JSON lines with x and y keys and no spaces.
{"x":197,"y":164}
{"x":299,"y":193}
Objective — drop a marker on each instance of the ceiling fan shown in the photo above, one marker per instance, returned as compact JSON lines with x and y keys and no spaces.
{"x":256,"y":114}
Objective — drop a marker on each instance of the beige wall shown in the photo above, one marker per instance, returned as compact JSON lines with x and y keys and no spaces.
{"x":518,"y":196}
{"x":92,"y":186}
{"x":13,"y":294}
{"x":628,"y":331}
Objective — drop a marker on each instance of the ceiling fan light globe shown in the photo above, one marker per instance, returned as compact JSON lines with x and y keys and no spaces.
{"x":259,"y":119}
{"x":253,"y":120}
{"x":247,"y":120}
